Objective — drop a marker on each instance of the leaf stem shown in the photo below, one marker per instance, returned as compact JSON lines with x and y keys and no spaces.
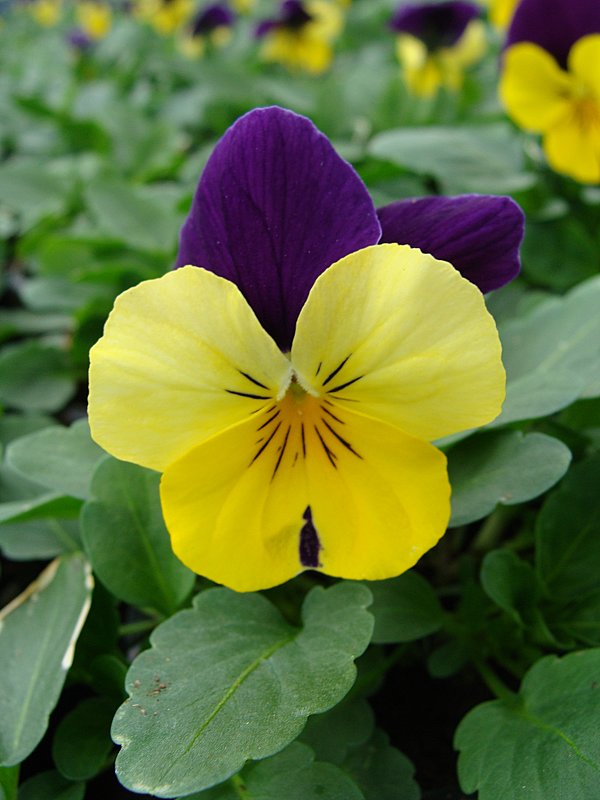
{"x":494,"y":683}
{"x":141,"y":626}
{"x":491,"y":531}
{"x":240,"y":787}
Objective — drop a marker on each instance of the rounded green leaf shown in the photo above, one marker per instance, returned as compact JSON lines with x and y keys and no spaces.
{"x":35,"y":377}
{"x":38,"y":633}
{"x":82,"y":740}
{"x":545,"y":745}
{"x":51,"y":786}
{"x":125,"y":537}
{"x":506,"y":467}
{"x":229,"y":680}
{"x":405,"y":608}
{"x":381,"y":771}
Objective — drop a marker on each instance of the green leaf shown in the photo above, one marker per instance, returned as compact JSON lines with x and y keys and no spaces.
{"x":293,"y":774}
{"x":51,"y":786}
{"x":125,"y":537}
{"x":476,"y":158}
{"x":39,"y":539}
{"x":511,"y":583}
{"x":405,"y":608}
{"x":37,"y":640}
{"x":124,"y":214}
{"x":506,"y":467}
{"x":567,"y":540}
{"x":548,"y":354}
{"x":544,"y":249}
{"x":35,"y":377}
{"x":30,"y":192}
{"x":545,"y":745}
{"x":345,"y":727}
{"x":62,"y":459}
{"x":381,"y":771}
{"x":9,"y":779}
{"x":82,"y":740}
{"x":255,"y":679}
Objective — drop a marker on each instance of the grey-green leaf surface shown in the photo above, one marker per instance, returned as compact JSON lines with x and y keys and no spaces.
{"x":30,"y":191}
{"x":35,"y":377}
{"x":506,"y":467}
{"x":63,"y":459}
{"x":125,"y":537}
{"x":405,"y":608}
{"x":293,"y":774}
{"x":51,"y":786}
{"x":543,"y":746}
{"x":567,"y":535}
{"x":255,"y":679}
{"x":39,"y":539}
{"x":476,"y":158}
{"x":548,"y":353}
{"x":38,"y":633}
{"x":511,"y":583}
{"x":381,"y":771}
{"x":82,"y":740}
{"x":343,"y":728}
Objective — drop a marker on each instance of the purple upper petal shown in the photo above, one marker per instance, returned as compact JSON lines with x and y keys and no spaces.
{"x":274,"y":208}
{"x":216,"y":15}
{"x":478,"y":234}
{"x":554,"y":25}
{"x":439,"y":24}
{"x":291,"y":15}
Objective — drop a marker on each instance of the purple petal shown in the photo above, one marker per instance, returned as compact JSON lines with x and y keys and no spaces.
{"x":554,"y":25}
{"x":274,"y":208}
{"x":478,"y":234}
{"x":438,"y":24}
{"x":217,"y":15}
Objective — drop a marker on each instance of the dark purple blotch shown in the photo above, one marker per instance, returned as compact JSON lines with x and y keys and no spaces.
{"x":292,"y":16}
{"x":216,"y":15}
{"x":437,"y":25}
{"x":310,"y":545}
{"x":554,"y":25}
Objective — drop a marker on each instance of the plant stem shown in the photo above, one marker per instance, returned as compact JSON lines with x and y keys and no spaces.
{"x":141,"y":626}
{"x":494,"y":683}
{"x":240,"y":787}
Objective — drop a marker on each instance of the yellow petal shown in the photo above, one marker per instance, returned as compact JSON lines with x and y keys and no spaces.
{"x":383,"y":504}
{"x":393,"y":333}
{"x":573,"y":148}
{"x":230,"y":517}
{"x":534,"y":89}
{"x":238,"y":506}
{"x":472,"y":45}
{"x":182,"y":357}
{"x":584,"y":63}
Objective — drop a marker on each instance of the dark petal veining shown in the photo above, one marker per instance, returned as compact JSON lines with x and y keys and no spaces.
{"x":309,"y":541}
{"x":478,"y":234}
{"x":275,"y":207}
{"x":438,"y":24}
{"x":554,"y":25}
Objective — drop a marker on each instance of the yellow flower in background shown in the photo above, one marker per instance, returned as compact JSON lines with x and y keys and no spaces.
{"x":436,"y":43}
{"x":165,"y":16}
{"x":301,"y":36}
{"x":46,"y":12}
{"x":550,"y":82}
{"x":94,"y":18}
{"x":243,"y":6}
{"x":501,"y":12}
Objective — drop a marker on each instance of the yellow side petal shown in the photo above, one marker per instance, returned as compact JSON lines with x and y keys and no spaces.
{"x":584,"y":63}
{"x":393,"y":333}
{"x":230,"y":518}
{"x":378,"y":507}
{"x":182,"y":357}
{"x":472,"y":45}
{"x":501,"y":12}
{"x":534,"y":89}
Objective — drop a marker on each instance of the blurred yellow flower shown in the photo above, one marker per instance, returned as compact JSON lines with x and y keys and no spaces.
{"x":94,"y":17}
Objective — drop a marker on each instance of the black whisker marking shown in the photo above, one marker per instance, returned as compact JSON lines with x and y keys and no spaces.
{"x":344,"y":385}
{"x":253,"y":380}
{"x":271,"y":418}
{"x":281,"y":451}
{"x":273,"y":432}
{"x":303,"y":440}
{"x":330,"y":454}
{"x":332,"y":375}
{"x":331,"y":414}
{"x":341,"y":439}
{"x":251,"y":396}
{"x":318,"y":368}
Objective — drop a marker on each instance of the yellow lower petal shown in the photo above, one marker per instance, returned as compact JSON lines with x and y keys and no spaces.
{"x":393,"y":333}
{"x":305,"y":484}
{"x":534,"y":89}
{"x":182,"y":357}
{"x":584,"y":63}
{"x":573,"y":147}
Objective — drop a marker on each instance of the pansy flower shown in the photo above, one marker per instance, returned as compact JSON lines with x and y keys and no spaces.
{"x":301,"y":35}
{"x":289,"y":382}
{"x":501,"y":12}
{"x":211,"y":25}
{"x":165,"y":16}
{"x":550,"y":81}
{"x":436,"y":42}
{"x":94,"y":18}
{"x":45,"y":12}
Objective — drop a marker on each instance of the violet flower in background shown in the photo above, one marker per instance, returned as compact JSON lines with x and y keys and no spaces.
{"x":211,"y":25}
{"x":436,"y":42}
